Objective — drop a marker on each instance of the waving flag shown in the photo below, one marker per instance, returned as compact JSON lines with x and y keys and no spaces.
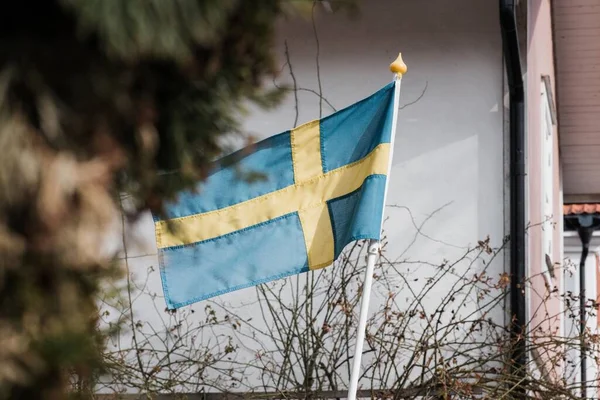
{"x":322,"y":186}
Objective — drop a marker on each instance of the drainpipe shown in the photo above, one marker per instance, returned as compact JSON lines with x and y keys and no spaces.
{"x":585,"y":231}
{"x":510,"y":42}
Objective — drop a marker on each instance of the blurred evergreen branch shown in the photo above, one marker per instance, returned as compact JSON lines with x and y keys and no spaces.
{"x":98,"y":98}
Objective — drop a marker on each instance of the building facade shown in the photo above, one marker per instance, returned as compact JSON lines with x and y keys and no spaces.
{"x":450,"y":185}
{"x":573,"y":52}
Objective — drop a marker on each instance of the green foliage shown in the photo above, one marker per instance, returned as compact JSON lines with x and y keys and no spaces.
{"x":98,"y":97}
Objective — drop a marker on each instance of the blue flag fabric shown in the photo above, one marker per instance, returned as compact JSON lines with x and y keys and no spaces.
{"x":319,"y":187}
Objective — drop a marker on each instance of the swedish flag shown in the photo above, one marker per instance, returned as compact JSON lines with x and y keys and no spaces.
{"x":323,"y":187}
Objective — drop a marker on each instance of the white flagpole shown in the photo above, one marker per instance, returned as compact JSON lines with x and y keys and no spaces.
{"x":399,"y":69}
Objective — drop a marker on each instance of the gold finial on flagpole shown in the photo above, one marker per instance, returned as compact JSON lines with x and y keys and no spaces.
{"x":398,"y":66}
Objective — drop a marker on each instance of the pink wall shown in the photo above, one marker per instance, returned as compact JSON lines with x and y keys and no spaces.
{"x":540,"y":63}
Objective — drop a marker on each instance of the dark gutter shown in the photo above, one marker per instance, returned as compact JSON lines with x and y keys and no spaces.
{"x":585,"y":235}
{"x":510,"y":42}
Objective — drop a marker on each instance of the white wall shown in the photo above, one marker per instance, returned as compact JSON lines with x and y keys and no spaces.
{"x":448,"y":156}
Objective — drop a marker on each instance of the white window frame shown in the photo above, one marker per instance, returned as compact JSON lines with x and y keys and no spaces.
{"x":547,"y":184}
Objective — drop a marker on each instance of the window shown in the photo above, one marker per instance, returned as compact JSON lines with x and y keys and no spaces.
{"x":547,"y":192}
